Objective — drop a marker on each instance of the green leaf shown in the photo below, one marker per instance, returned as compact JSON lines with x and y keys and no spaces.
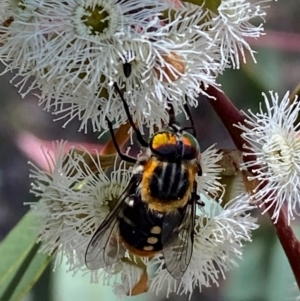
{"x":21,"y":264}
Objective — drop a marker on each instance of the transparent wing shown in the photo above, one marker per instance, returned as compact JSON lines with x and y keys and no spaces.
{"x":104,"y":247}
{"x":178,"y":241}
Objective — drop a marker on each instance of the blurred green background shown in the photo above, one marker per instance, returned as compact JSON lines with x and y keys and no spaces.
{"x":264,"y":273}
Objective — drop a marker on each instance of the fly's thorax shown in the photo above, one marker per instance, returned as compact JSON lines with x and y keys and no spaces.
{"x":166,"y":186}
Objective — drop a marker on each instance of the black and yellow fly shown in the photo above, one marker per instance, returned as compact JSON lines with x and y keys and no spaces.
{"x":156,"y":212}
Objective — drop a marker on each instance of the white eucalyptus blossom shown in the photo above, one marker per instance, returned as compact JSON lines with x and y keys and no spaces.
{"x":83,"y":35}
{"x":218,"y":243}
{"x":74,"y":198}
{"x":185,"y":61}
{"x":54,"y":188}
{"x":273,"y":146}
{"x":21,"y":35}
{"x":71,"y":40}
{"x":231,"y":24}
{"x":155,"y":51}
{"x":74,"y":53}
{"x":170,"y":62}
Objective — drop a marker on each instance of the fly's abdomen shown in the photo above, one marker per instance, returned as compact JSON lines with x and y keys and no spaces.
{"x":140,"y":229}
{"x":169,"y":181}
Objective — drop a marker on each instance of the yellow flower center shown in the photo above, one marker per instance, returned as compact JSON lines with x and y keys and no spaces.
{"x":280,"y":156}
{"x":97,"y":18}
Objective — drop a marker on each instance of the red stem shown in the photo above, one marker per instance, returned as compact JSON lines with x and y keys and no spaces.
{"x":230,"y":115}
{"x":289,"y":242}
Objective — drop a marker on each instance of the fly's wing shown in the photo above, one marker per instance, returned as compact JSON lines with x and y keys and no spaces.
{"x":104,"y":248}
{"x":178,"y":239}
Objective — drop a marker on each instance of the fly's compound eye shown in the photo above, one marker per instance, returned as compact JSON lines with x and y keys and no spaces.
{"x":191,"y":146}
